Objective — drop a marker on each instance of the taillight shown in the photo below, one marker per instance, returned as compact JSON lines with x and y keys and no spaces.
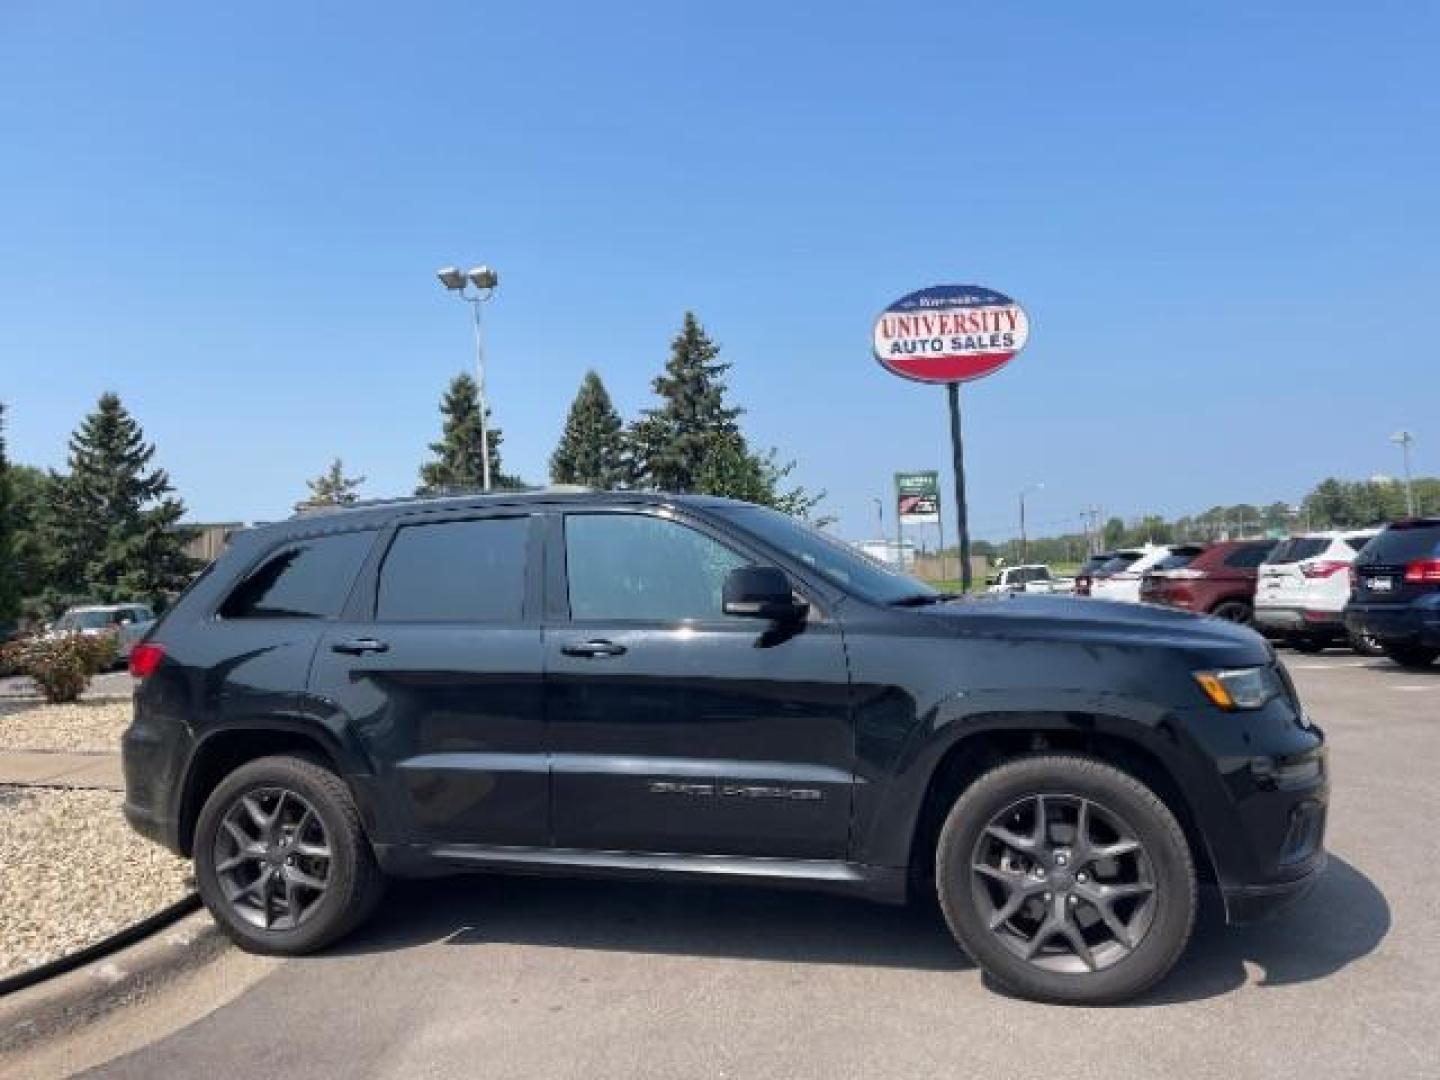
{"x":1423,"y":570}
{"x":1323,"y":568}
{"x":144,"y":659}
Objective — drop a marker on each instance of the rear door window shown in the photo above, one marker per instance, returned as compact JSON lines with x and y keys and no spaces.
{"x":1403,"y":543}
{"x":455,"y":571}
{"x":305,"y":579}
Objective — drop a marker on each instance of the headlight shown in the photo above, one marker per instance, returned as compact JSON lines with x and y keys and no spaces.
{"x":1240,"y":688}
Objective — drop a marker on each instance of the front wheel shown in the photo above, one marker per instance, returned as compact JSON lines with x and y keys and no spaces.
{"x":1412,"y":656}
{"x":1236,"y":611}
{"x":281,"y":859}
{"x":1066,"y":880}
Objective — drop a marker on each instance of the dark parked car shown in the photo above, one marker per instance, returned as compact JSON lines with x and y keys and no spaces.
{"x":1395,"y":592}
{"x":1219,"y":581}
{"x":694,"y":688}
{"x":1085,"y":576}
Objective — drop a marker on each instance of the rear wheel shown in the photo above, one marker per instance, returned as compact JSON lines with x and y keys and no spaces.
{"x":1236,"y":611}
{"x":1066,"y":880}
{"x":281,"y":859}
{"x":1411,"y":656}
{"x":1366,"y":644}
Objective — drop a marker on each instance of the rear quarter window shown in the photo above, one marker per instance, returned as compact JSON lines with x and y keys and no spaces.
{"x":1248,"y":557}
{"x":307,"y":578}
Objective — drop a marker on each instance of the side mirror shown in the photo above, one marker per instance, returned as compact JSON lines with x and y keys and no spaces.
{"x":762,"y":592}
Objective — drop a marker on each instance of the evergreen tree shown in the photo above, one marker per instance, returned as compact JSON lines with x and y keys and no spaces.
{"x":671,"y":443}
{"x":9,"y":571}
{"x":458,"y":464}
{"x":333,"y":487}
{"x":112,"y":527}
{"x":592,"y":448}
{"x":29,"y":497}
{"x":692,"y":441}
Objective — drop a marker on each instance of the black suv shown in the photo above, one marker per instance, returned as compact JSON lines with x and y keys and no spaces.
{"x":689,"y":687}
{"x":1395,"y":592}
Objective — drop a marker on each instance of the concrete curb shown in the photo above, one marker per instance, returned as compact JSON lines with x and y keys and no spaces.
{"x":91,"y":991}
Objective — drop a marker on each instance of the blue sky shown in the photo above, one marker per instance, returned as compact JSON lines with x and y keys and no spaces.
{"x":1221,"y":218}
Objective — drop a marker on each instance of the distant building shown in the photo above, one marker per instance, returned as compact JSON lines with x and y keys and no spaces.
{"x":210,"y":539}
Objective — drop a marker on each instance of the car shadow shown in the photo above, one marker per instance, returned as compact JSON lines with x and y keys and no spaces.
{"x":661,"y":918}
{"x":1343,"y":919}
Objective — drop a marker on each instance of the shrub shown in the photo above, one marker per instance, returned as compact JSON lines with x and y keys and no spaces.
{"x":61,"y":666}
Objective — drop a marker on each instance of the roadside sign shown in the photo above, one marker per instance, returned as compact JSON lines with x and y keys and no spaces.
{"x":917,"y":498}
{"x":950,"y":333}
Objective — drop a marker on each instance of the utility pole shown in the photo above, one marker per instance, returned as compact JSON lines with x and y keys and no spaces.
{"x":1405,"y":440}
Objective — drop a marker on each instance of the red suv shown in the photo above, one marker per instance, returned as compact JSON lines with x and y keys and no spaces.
{"x":1218,"y":581}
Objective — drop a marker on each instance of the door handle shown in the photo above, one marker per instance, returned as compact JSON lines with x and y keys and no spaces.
{"x":597,"y":647}
{"x":356,"y":646}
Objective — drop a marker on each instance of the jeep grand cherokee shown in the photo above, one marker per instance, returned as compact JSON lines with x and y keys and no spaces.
{"x":688,"y":687}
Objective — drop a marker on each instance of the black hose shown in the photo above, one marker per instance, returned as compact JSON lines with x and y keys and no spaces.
{"x":115,"y":942}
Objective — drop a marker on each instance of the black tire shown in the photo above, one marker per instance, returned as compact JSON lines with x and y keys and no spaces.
{"x":1167,"y":912}
{"x":1303,"y":644}
{"x":352,"y":881}
{"x":1366,"y":645}
{"x":1236,"y":611}
{"x":1412,"y":656}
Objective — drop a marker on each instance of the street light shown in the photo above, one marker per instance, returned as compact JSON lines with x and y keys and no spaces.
{"x":484,"y":282}
{"x":1024,"y":546}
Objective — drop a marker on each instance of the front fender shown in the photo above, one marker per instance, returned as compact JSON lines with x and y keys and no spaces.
{"x":889,"y":804}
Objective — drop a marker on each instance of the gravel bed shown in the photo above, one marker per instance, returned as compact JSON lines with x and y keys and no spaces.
{"x":73,"y":872}
{"x":91,"y":724}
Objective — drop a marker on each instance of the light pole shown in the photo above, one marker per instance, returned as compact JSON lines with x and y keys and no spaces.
{"x":880,"y":517}
{"x":1024,"y":546}
{"x":1405,"y":440}
{"x":484,"y":281}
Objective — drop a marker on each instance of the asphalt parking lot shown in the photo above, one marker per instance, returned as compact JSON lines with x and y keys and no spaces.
{"x":535,"y":978}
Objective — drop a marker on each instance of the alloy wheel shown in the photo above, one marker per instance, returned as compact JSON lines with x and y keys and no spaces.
{"x":1064,"y":883}
{"x":272,"y":858}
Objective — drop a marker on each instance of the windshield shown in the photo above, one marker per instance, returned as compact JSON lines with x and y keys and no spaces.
{"x":834,"y":560}
{"x":1402,"y":543}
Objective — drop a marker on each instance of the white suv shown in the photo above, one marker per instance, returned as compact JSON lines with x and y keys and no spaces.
{"x":1302,"y":588}
{"x":1119,"y":579}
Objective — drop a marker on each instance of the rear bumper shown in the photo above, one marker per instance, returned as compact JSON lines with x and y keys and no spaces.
{"x":1294,"y":619}
{"x":1396,"y":624}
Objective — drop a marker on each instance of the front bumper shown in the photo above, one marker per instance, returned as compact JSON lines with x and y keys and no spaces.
{"x":1259,"y":794}
{"x":1256,"y":903}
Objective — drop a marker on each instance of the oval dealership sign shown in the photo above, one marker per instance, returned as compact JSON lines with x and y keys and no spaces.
{"x":950,"y":333}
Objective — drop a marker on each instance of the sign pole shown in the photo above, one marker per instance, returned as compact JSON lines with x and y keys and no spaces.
{"x":962,"y":515}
